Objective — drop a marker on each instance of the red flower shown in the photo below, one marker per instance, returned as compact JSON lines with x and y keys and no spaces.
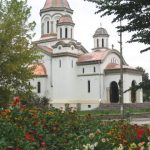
{"x":43,"y":144}
{"x":16,"y":101}
{"x":139,"y":132}
{"x":29,"y":137}
{"x":18,"y":148}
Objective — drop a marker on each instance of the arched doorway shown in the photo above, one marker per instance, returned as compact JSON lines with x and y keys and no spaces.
{"x":133,"y":91}
{"x":114,"y":92}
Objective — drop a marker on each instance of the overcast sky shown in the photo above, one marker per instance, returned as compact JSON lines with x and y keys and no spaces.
{"x":86,"y":23}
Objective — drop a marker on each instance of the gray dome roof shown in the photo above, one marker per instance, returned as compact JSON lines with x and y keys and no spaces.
{"x":101,"y":32}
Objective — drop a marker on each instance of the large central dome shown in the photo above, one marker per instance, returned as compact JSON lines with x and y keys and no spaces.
{"x":56,"y":4}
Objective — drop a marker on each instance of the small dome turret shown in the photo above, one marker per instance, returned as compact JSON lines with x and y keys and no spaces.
{"x":101,"y":32}
{"x":65,"y":27}
{"x":101,"y":38}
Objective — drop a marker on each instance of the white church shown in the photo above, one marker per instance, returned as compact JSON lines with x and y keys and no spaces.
{"x":69,"y":74}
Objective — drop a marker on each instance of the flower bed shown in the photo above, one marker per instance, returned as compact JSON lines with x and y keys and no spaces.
{"x":41,"y":129}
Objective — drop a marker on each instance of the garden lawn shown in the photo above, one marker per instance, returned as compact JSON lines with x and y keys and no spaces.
{"x":43,"y":129}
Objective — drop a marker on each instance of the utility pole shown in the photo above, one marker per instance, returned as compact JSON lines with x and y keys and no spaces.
{"x":121,"y":76}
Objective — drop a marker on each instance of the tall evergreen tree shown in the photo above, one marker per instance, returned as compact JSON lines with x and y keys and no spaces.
{"x":16,"y":50}
{"x":135,"y":12}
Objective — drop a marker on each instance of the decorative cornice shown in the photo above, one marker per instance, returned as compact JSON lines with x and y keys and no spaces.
{"x":56,"y":9}
{"x":89,"y":62}
{"x":125,"y":70}
{"x":45,"y":40}
{"x":64,"y":54}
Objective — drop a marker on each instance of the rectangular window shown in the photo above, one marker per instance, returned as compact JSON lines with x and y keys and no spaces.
{"x":94,"y":69}
{"x":72,"y":63}
{"x":59,"y":63}
{"x":39,"y":87}
{"x":89,"y":86}
{"x":47,"y":26}
{"x":83,"y":70}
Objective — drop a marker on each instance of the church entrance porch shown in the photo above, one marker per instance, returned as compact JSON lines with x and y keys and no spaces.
{"x":114,"y":92}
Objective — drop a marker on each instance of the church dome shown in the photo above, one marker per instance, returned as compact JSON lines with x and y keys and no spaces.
{"x":101,"y":32}
{"x":56,"y":4}
{"x":65,"y":20}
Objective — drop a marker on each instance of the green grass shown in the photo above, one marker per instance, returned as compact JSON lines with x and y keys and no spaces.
{"x":114,"y":112}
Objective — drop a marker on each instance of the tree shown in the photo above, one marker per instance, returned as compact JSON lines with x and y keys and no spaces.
{"x":16,"y":50}
{"x":145,"y":75}
{"x":145,"y":84}
{"x":135,"y":12}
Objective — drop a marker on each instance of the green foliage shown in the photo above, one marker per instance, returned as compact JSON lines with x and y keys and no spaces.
{"x":136,"y":13}
{"x":145,"y":84}
{"x":17,"y":52}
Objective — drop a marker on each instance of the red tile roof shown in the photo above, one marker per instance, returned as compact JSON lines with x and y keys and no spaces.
{"x":48,"y":35}
{"x":94,"y":56}
{"x":45,"y":48}
{"x":112,"y":66}
{"x":40,"y":70}
{"x":56,"y":3}
{"x":65,"y":19}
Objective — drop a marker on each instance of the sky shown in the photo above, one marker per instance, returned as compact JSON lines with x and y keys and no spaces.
{"x":86,"y":23}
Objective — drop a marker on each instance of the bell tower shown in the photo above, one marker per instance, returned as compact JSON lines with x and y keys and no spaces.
{"x":101,"y":38}
{"x":50,"y":14}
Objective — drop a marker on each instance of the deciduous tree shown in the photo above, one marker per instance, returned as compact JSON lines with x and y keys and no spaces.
{"x":16,"y":50}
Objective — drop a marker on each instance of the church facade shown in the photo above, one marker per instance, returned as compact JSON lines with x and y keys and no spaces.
{"x":69,"y":74}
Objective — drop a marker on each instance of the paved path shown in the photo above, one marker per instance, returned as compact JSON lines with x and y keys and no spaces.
{"x":140,"y":121}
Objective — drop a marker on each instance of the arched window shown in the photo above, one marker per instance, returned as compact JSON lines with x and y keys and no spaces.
{"x":114,"y":92}
{"x":102,"y":42}
{"x":66,"y":33}
{"x":52,"y":27}
{"x":97,"y":43}
{"x":42,"y":30}
{"x":39,"y":87}
{"x":47,"y":26}
{"x":61,"y":33}
{"x":71,"y":33}
{"x":133,"y":91}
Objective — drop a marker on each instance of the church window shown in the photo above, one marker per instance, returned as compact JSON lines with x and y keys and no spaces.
{"x":94,"y":69}
{"x":47,"y":26}
{"x":59,"y":63}
{"x":83,"y":70}
{"x":61,"y":33}
{"x":89,"y":86}
{"x":59,"y":47}
{"x":42,"y":30}
{"x":66,"y":33}
{"x":52,"y":27}
{"x":89,"y":106}
{"x":102,"y":42}
{"x":97,"y":43}
{"x":72,"y":63}
{"x":71,"y":33}
{"x":72,"y":48}
{"x":39,"y":87}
